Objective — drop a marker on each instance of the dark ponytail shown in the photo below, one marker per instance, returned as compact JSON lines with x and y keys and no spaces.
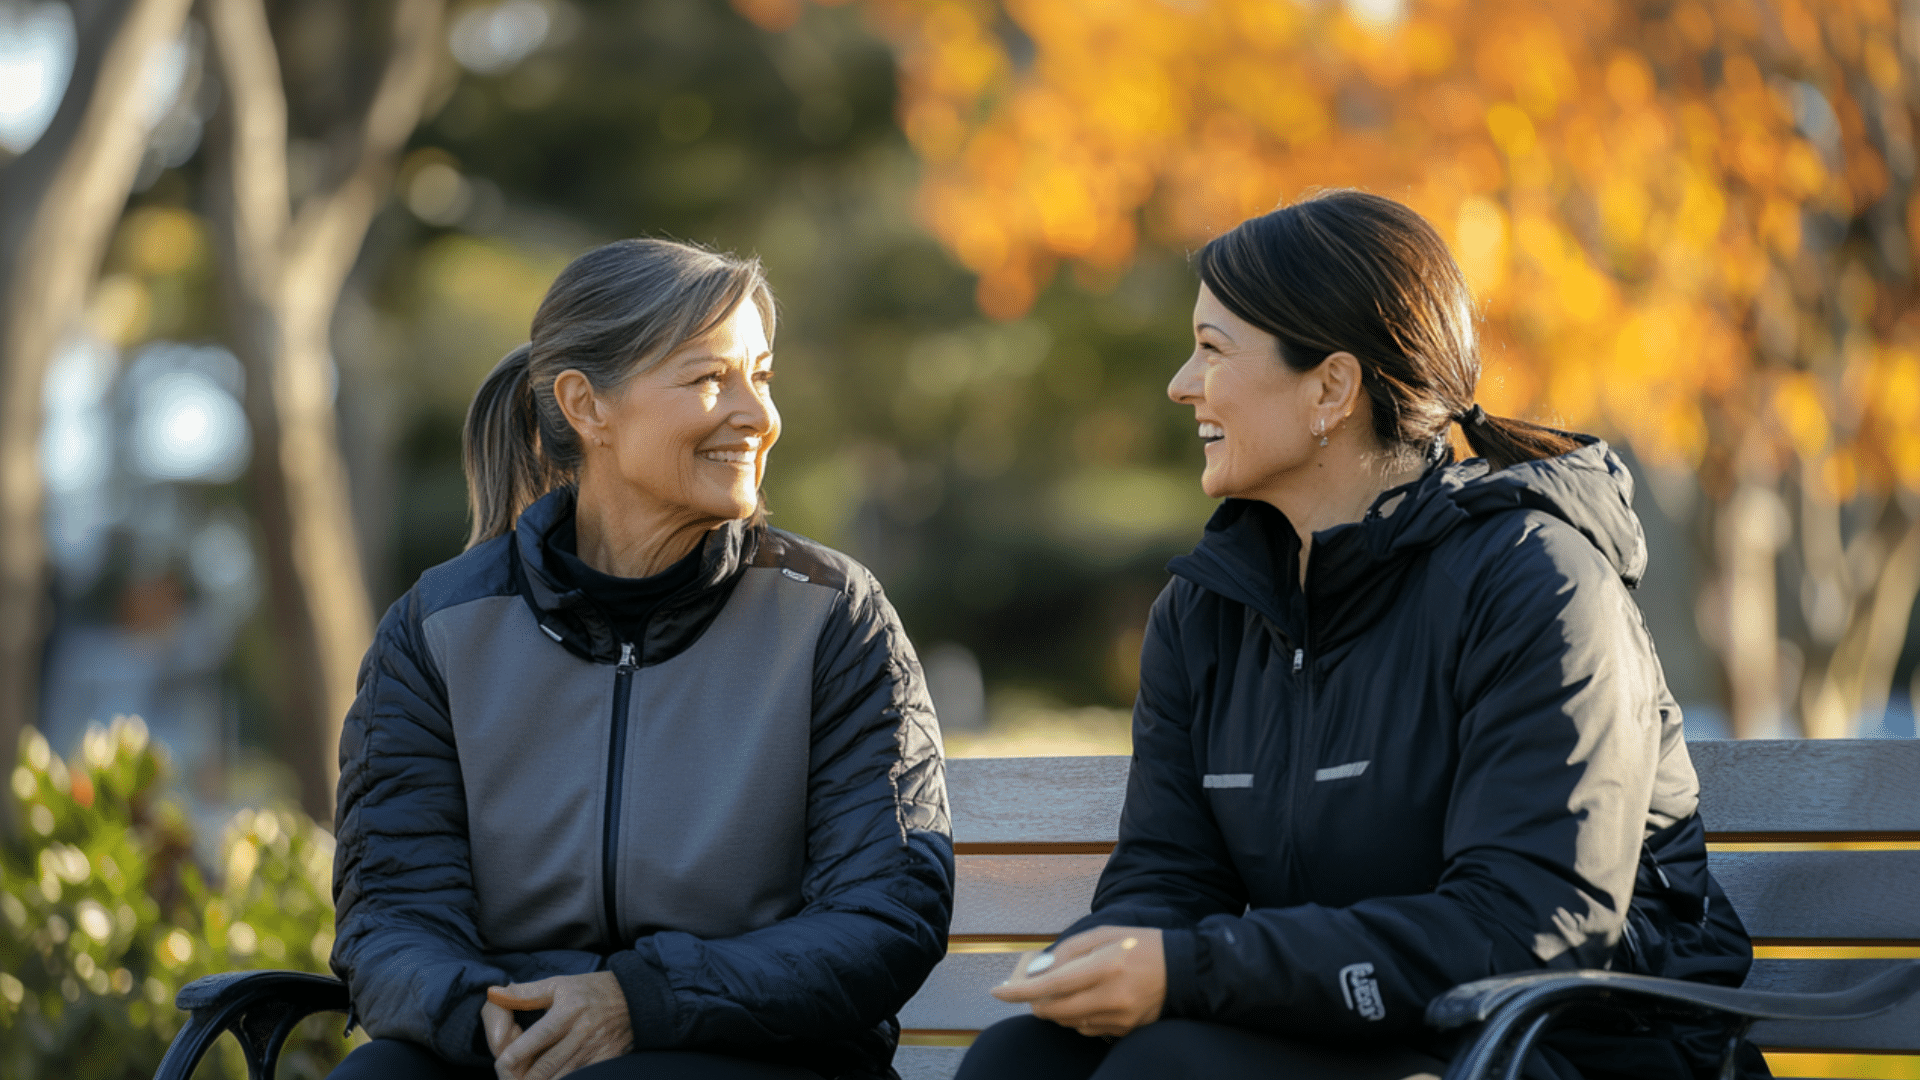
{"x":1345,"y":271}
{"x":1504,"y":441}
{"x":505,"y":469}
{"x":611,"y":314}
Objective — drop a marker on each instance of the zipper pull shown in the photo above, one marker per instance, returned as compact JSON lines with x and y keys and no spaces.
{"x":1299,"y":659}
{"x":626,"y":655}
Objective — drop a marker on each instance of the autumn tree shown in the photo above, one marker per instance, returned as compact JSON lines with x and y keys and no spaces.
{"x":1691,"y":226}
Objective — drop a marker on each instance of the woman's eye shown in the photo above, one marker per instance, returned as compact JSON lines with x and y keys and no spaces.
{"x":763,"y":376}
{"x":712,"y":378}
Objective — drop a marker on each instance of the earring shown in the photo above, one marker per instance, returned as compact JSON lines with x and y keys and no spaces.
{"x":1320,"y":429}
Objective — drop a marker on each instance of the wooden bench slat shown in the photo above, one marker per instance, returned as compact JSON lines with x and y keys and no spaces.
{"x":1787,"y":786}
{"x":1767,"y":787}
{"x":1849,"y":895}
{"x":1023,"y":895}
{"x":1800,"y":895}
{"x":1028,"y":801}
{"x":955,"y":998}
{"x":1894,"y":1031}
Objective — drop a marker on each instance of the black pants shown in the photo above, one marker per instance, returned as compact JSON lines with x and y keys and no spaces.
{"x":1027,"y":1047}
{"x":393,"y":1059}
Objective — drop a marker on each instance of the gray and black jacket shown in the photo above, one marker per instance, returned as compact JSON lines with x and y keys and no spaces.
{"x":742,"y":815}
{"x":1452,"y":755}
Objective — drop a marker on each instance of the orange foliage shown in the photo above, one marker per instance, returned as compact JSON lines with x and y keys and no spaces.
{"x":1689,"y":223}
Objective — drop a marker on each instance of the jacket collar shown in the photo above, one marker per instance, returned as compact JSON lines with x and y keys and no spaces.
{"x":1249,"y":552}
{"x":571,"y":617}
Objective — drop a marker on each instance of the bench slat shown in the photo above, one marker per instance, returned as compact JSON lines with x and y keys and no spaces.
{"x":955,"y":998}
{"x":1023,"y":895}
{"x":1895,"y":1031}
{"x":1784,"y":786}
{"x":1844,"y":895}
{"x":1026,"y":801}
{"x":1848,"y":895}
{"x":1771,"y":787}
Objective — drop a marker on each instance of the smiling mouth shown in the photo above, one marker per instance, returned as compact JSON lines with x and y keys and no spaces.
{"x":1212,"y":433}
{"x":729,"y":457}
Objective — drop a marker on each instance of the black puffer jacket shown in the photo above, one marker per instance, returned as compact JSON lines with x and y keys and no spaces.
{"x":1452,"y":756}
{"x":742,"y":814}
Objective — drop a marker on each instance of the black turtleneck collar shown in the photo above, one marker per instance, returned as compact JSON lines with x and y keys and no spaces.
{"x":593,"y":614}
{"x":627,"y":603}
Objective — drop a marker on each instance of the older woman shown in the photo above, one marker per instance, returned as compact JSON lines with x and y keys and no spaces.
{"x":1400,"y":724}
{"x":638,"y":786}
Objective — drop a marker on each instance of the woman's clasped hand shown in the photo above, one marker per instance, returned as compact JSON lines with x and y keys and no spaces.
{"x":1106,"y":981}
{"x":586,"y":1022}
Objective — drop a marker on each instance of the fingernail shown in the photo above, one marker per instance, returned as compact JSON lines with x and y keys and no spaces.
{"x":1130,"y":943}
{"x":1040,"y":963}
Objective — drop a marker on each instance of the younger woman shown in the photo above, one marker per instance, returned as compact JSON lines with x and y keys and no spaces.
{"x":1400,"y":724}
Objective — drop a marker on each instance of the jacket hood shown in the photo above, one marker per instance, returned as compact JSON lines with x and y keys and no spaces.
{"x":572,"y":617}
{"x":1250,"y":552}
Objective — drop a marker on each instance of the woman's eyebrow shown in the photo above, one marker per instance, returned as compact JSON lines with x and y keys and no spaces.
{"x":702,"y":357}
{"x":1209,"y":326}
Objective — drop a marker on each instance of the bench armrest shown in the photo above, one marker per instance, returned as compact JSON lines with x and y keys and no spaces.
{"x":1516,"y":1010}
{"x":259,"y":1007}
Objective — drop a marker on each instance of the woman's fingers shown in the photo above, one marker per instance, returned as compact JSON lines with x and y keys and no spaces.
{"x":1110,"y":991}
{"x":1087,"y":941}
{"x":523,"y":997}
{"x":561,"y":1058}
{"x":1068,"y":976}
{"x":1058,"y":983}
{"x":499,"y":1025}
{"x":524,"y":1050}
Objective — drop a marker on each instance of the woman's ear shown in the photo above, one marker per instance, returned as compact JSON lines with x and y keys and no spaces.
{"x":573,"y":392}
{"x":1338,"y":390}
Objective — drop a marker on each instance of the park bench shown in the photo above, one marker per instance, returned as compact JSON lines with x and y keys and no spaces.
{"x":1817,"y":844}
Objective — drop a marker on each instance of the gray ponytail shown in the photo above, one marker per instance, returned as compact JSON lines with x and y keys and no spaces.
{"x":505,"y":469}
{"x":611,"y":314}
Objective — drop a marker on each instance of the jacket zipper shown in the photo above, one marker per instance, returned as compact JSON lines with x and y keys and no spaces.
{"x":1298,"y":792}
{"x":616,"y":769}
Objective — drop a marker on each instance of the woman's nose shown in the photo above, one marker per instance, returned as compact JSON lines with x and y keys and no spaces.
{"x":1187,"y":386}
{"x":753,"y":410}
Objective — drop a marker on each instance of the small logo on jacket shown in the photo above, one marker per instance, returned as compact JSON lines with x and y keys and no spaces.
{"x":1362,"y":992}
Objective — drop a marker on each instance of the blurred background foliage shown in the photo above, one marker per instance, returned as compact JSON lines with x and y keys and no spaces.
{"x":104,"y":914}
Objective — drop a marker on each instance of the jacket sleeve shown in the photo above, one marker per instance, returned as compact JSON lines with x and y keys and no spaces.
{"x":406,"y":917}
{"x":1170,"y":868}
{"x":1557,"y":693}
{"x":877,"y":889}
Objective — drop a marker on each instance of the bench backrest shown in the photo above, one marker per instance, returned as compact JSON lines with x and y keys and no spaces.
{"x":1817,"y":844}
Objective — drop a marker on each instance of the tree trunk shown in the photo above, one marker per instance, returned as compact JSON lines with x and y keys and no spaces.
{"x":1749,"y":537}
{"x":58,"y":205}
{"x":285,"y":272}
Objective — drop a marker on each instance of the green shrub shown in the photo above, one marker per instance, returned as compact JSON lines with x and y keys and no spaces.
{"x":104,"y":914}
